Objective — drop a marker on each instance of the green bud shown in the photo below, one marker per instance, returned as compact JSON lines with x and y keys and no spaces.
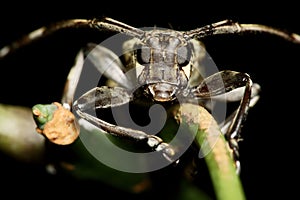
{"x":43,"y":113}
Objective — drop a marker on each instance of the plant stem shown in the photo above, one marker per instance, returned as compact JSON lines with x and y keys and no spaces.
{"x":18,"y":137}
{"x":215,"y":151}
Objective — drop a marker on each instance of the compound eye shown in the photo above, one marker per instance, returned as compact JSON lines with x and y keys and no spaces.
{"x":183,"y":55}
{"x":143,"y":54}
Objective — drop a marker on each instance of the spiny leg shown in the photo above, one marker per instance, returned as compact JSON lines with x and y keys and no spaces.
{"x":211,"y":87}
{"x":107,"y":97}
{"x":227,"y":126}
{"x":231,"y":27}
{"x":237,"y":96}
{"x":233,"y":133}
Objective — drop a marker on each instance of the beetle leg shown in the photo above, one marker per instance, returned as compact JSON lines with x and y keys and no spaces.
{"x":237,"y":97}
{"x":109,"y":97}
{"x":222,"y":83}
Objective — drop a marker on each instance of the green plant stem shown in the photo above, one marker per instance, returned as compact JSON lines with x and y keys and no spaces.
{"x":215,"y":151}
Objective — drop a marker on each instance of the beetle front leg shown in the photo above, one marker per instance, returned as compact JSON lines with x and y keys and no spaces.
{"x":237,"y":96}
{"x":109,"y":97}
{"x":218,"y":86}
{"x":233,"y":133}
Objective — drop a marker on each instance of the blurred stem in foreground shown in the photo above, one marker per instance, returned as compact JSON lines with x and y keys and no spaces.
{"x":18,"y":136}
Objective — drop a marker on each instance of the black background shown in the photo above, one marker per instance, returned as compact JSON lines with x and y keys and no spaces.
{"x":269,"y":151}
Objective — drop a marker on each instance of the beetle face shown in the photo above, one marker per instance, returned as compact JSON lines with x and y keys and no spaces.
{"x":164,"y":57}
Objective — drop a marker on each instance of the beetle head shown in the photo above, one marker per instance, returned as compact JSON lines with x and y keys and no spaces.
{"x":164,"y":59}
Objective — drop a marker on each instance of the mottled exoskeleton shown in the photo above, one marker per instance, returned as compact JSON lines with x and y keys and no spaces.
{"x":165,"y":62}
